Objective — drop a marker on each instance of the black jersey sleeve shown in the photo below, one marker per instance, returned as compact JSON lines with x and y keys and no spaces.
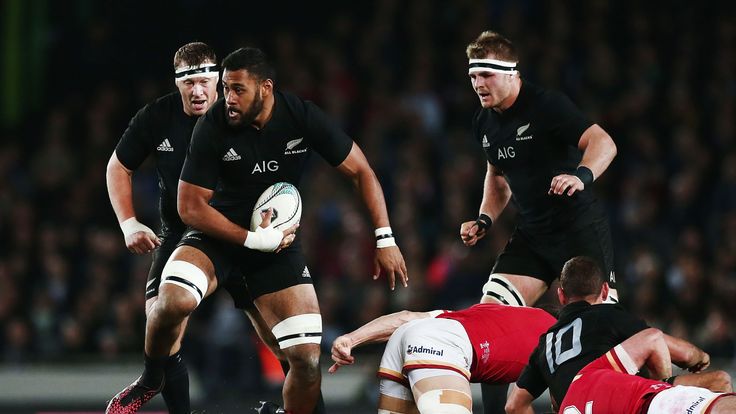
{"x":327,"y":139}
{"x":566,"y":120}
{"x":138,"y":139}
{"x":531,"y":378}
{"x":202,"y":166}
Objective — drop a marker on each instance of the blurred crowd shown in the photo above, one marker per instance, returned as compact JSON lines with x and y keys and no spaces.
{"x":393,"y":74}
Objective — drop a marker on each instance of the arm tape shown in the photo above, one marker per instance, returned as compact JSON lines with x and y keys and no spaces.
{"x":585,"y":175}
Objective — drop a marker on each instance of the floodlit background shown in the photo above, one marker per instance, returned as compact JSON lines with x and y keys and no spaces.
{"x":660,"y":77}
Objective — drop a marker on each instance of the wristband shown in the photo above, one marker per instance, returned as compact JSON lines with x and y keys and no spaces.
{"x":384,"y":237}
{"x":265,"y":240}
{"x":670,"y":380}
{"x":132,"y":226}
{"x":484,"y":222}
{"x":585,"y":175}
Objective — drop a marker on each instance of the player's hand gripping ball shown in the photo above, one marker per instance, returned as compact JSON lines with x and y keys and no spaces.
{"x":286,"y":203}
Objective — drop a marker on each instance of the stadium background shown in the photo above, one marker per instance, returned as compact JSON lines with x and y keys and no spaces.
{"x":660,"y":77}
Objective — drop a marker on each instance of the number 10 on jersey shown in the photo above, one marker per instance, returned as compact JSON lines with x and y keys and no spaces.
{"x":559,"y":351}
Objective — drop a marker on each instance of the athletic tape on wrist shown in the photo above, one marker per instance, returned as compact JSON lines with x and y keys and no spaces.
{"x":585,"y":175}
{"x":384,"y":237}
{"x":265,"y":240}
{"x":670,"y":380}
{"x":132,"y":226}
{"x":484,"y":221}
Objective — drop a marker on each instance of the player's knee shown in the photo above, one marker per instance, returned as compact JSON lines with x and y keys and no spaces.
{"x":173,"y":307}
{"x":304,"y":361}
{"x":299,"y":337}
{"x":188,"y":277}
{"x":444,"y":402}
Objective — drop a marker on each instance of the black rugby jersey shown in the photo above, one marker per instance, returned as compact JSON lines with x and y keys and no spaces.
{"x":164,"y":129}
{"x":583,"y":333}
{"x":531,"y":142}
{"x":240,"y":162}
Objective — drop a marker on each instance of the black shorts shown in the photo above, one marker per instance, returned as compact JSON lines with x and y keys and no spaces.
{"x":542,"y":256}
{"x":247,"y":274}
{"x":161,"y":255}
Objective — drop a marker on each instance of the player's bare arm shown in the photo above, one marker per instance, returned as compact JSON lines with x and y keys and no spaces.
{"x":388,"y":260}
{"x":598,"y":152}
{"x":519,"y":401}
{"x":194,"y":209}
{"x":377,"y":330}
{"x":686,"y":355}
{"x":139,"y":238}
{"x":716,"y":381}
{"x":496,"y":195}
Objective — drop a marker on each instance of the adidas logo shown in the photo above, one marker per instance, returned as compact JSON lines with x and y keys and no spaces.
{"x":520,"y":131}
{"x":486,"y":144}
{"x":305,"y":273}
{"x":165,"y":146}
{"x":231,"y":155}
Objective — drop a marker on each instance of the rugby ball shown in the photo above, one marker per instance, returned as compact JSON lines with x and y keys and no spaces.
{"x":286,"y":202}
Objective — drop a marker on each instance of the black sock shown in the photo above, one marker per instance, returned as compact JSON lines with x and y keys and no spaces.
{"x":176,"y":388}
{"x":320,"y":407}
{"x":494,"y":398}
{"x":153,"y":371}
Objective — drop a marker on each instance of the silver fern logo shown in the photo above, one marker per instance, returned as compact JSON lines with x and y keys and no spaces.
{"x":293,"y":144}
{"x":520,"y":133}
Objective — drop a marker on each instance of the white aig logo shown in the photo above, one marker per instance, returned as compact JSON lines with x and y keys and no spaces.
{"x":506,"y":152}
{"x":264,"y":166}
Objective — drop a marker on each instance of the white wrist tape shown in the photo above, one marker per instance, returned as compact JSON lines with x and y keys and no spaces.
{"x":132,"y":226}
{"x":384,"y":237}
{"x":265,"y":240}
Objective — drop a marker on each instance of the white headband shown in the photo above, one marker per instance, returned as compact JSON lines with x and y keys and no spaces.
{"x":491,"y":65}
{"x":206,"y":70}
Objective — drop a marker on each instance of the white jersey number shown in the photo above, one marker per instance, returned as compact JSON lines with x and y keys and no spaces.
{"x":556,"y":355}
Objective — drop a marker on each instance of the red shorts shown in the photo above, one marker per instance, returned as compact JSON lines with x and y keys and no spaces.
{"x":609,"y":387}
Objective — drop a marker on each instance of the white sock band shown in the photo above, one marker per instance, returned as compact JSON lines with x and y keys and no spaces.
{"x":187,"y":276}
{"x":434,"y":402}
{"x":500,"y":289}
{"x":299,"y":329}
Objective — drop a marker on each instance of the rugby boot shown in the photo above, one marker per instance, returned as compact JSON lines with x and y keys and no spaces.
{"x":132,"y":398}
{"x":268,"y":407}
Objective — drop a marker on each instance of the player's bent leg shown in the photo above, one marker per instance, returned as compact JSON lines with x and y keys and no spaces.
{"x":515,"y":290}
{"x":270,"y":340}
{"x":264,"y":332}
{"x":295,"y":321}
{"x":395,"y":398}
{"x":716,"y":381}
{"x":443,"y":394}
{"x":187,"y":278}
